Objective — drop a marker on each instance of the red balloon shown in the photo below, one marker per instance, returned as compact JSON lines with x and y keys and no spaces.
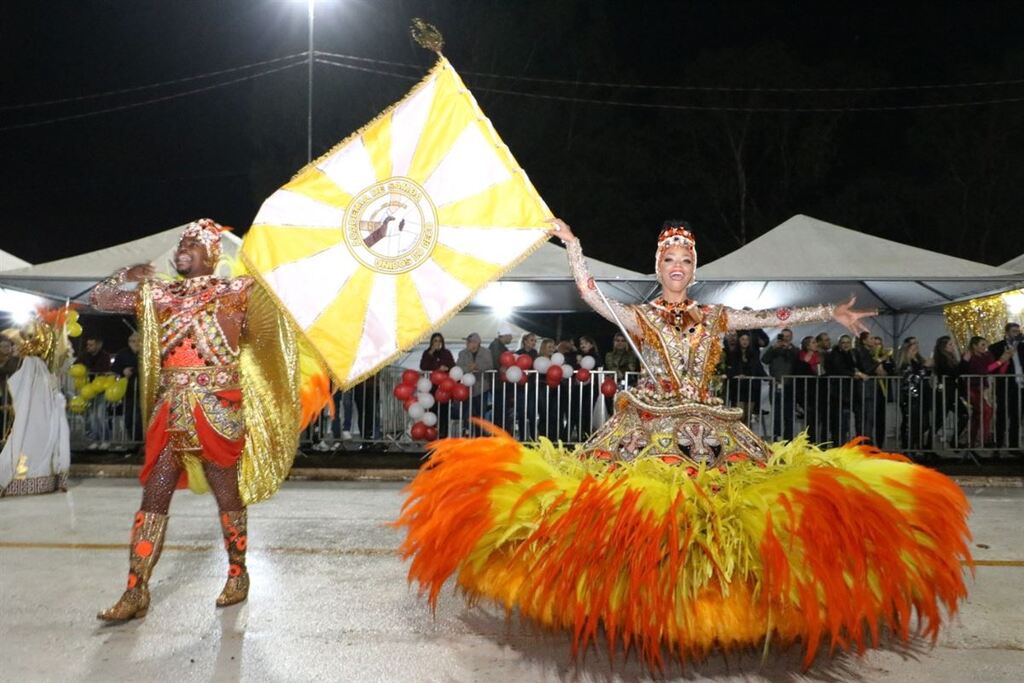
{"x":431,"y":434}
{"x":438,"y":376}
{"x":410,"y":377}
{"x":524,"y":361}
{"x":461,"y":392}
{"x":442,"y":396}
{"x":552,"y":382}
{"x":501,"y":375}
{"x":555,"y":374}
{"x":523,"y":379}
{"x":583,"y":375}
{"x":608,"y":387}
{"x":404,"y":391}
{"x":418,"y":431}
{"x":408,"y":402}
{"x":448,"y":385}
{"x":506,"y":359}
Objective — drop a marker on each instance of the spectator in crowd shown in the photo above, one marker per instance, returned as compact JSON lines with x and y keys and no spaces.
{"x":621,"y":358}
{"x":567,"y":348}
{"x":840,"y":371}
{"x":585,"y":395}
{"x":474,"y":359}
{"x":744,"y":372}
{"x":95,"y":359}
{"x":758,"y":337}
{"x":1008,"y":388}
{"x":588,"y":347}
{"x":866,"y":390}
{"x":809,"y":367}
{"x":126,"y":364}
{"x":500,"y":344}
{"x":528,"y":345}
{"x":525,"y":401}
{"x":824,"y":343}
{"x":97,"y":422}
{"x":946,"y":365}
{"x":503,"y":391}
{"x":980,"y":361}
{"x":781,"y":358}
{"x":437,"y":357}
{"x":546,"y":423}
{"x":914,"y":399}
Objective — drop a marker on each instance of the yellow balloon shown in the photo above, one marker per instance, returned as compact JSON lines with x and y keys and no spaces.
{"x":78,"y":404}
{"x":74,"y":329}
{"x":72,"y":316}
{"x":78,"y":370}
{"x":89,"y":392}
{"x":117,"y":390}
{"x":80,"y":382}
{"x":103,"y":382}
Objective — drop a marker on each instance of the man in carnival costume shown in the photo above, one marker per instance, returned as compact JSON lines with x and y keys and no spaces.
{"x":675,"y":528}
{"x":219,"y":388}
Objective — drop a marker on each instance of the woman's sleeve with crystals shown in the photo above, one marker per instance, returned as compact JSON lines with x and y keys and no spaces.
{"x":108,"y":295}
{"x":588,"y":291}
{"x":738,"y":319}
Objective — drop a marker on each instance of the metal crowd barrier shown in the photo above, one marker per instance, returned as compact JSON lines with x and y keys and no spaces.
{"x":968,"y":416}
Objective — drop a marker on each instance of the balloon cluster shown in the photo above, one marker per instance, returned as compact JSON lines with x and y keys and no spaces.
{"x":113,"y":388}
{"x":415,"y":393}
{"x":554,"y":369}
{"x":72,"y":327}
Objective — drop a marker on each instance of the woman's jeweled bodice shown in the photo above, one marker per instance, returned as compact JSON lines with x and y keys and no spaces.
{"x":682,"y":358}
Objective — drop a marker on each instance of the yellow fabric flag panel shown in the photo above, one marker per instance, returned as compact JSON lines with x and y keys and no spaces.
{"x":378,"y":242}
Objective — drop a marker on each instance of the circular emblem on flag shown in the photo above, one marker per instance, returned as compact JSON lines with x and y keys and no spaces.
{"x":391,"y":226}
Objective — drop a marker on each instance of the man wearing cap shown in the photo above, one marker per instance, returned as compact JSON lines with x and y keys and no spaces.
{"x":476,"y":360}
{"x":204,"y":338}
{"x":502,"y":393}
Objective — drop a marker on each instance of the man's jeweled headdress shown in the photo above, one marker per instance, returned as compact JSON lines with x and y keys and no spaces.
{"x":676,"y":235}
{"x":207,"y":232}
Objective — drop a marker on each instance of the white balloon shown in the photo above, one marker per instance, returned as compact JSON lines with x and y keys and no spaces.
{"x":567,"y":370}
{"x":423,"y":386}
{"x":416,"y":411}
{"x":588,"y":362}
{"x":541,"y":364}
{"x":456,"y":373}
{"x":429,"y":419}
{"x":514,"y":373}
{"x":469,"y":379}
{"x":557,"y":358}
{"x":425,"y":400}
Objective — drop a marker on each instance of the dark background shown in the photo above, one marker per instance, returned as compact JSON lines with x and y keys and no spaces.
{"x":943,"y":178}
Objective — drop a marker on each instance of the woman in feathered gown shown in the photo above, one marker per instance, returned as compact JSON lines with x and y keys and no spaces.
{"x":675,"y":528}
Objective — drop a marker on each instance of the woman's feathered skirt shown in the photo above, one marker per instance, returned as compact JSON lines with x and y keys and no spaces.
{"x":815,"y":545}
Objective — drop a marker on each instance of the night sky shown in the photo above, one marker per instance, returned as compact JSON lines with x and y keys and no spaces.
{"x":943,"y":178}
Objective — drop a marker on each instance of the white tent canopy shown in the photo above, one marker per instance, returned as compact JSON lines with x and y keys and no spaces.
{"x":9,"y":261}
{"x":1015,"y":264}
{"x":541,"y":283}
{"x":805,"y":261}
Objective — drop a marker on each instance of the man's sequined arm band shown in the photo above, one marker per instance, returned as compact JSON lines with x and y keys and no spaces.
{"x":588,"y":289}
{"x":108,"y":295}
{"x":777,"y":317}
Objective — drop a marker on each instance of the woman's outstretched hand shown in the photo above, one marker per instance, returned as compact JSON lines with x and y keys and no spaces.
{"x":561,"y":230}
{"x":851,"y":319}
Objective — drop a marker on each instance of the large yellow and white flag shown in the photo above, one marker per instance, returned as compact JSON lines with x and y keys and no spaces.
{"x":386,"y":236}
